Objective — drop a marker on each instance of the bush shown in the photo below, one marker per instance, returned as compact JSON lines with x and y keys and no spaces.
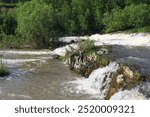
{"x":8,"y":23}
{"x":115,"y":21}
{"x":144,"y":29}
{"x":3,"y":70}
{"x":36,"y":23}
{"x":87,"y":46}
{"x":11,"y":41}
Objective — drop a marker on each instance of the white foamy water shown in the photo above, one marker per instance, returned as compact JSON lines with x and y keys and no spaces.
{"x":62,"y":50}
{"x":15,"y":58}
{"x":23,"y":52}
{"x":134,"y":39}
{"x":14,"y":96}
{"x":75,"y":38}
{"x":17,"y":61}
{"x":139,"y":39}
{"x":132,"y":94}
{"x":96,"y":84}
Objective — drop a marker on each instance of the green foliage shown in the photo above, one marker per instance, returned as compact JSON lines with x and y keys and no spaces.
{"x":13,"y":1}
{"x":8,"y":23}
{"x":114,"y":21}
{"x":104,"y":61}
{"x":3,"y":69}
{"x":133,"y":16}
{"x":11,"y":41}
{"x":62,"y":58}
{"x":87,"y":46}
{"x":36,"y":22}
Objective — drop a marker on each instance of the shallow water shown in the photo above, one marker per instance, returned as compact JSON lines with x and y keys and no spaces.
{"x":35,"y":75}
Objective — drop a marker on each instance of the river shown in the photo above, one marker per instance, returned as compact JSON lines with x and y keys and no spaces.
{"x":36,"y":75}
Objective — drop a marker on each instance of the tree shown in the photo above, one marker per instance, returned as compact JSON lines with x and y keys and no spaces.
{"x":36,"y":23}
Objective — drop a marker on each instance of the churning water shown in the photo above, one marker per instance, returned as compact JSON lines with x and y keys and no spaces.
{"x":35,"y":75}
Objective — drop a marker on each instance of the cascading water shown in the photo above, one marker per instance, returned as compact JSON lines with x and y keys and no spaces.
{"x":98,"y":82}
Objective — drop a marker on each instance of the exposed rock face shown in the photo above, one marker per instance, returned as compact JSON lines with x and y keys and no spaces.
{"x":108,"y":79}
{"x":83,"y":64}
{"x":124,"y":79}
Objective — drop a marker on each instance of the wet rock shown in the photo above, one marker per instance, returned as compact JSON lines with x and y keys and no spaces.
{"x":127,"y":72}
{"x":144,"y":88}
{"x":82,"y":63}
{"x":124,"y":79}
{"x":120,"y":79}
{"x":102,"y":51}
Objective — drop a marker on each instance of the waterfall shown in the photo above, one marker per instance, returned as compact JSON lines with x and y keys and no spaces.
{"x":98,"y":82}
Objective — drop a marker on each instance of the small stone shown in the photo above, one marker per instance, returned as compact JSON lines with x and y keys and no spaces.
{"x":127,"y":72}
{"x":119,"y":79}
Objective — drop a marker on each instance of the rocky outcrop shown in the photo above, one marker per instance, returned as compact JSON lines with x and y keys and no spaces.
{"x":108,"y":79}
{"x":85,"y":62}
{"x":82,"y":63}
{"x":124,"y":79}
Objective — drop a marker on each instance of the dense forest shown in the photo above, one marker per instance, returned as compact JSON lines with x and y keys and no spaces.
{"x":38,"y":23}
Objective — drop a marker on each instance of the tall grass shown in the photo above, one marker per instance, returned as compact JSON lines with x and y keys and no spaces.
{"x":3,"y":70}
{"x":87,"y":46}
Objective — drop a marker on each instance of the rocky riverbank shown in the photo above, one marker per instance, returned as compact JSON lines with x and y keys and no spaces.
{"x":99,"y":65}
{"x":124,"y":78}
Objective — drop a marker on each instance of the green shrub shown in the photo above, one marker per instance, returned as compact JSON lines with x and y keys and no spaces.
{"x":131,"y":17}
{"x":8,"y":22}
{"x":144,"y":29}
{"x":3,"y":70}
{"x":11,"y":41}
{"x":104,"y":61}
{"x":87,"y":46}
{"x":37,"y":23}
